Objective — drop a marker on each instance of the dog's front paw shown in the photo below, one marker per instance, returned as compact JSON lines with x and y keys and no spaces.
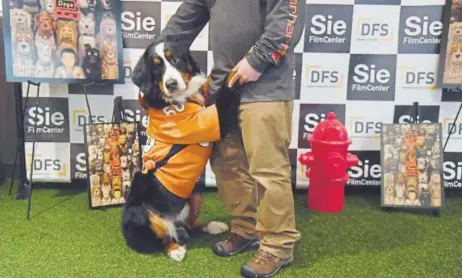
{"x":215,"y":227}
{"x":176,"y":252}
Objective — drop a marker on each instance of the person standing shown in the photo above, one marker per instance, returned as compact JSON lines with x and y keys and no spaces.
{"x":255,"y":39}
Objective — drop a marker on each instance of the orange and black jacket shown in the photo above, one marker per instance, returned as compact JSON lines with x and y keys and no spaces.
{"x":180,"y":139}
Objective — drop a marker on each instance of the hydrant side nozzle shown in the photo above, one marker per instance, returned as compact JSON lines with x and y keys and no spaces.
{"x":306,"y":159}
{"x":352,"y":160}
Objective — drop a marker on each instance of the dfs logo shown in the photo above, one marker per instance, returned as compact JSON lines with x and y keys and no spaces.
{"x":319,"y":77}
{"x":128,"y":70}
{"x":412,"y":78}
{"x":49,"y":119}
{"x":362,"y":128}
{"x":450,"y":127}
{"x":140,"y":23}
{"x":80,"y":118}
{"x":328,"y":28}
{"x":311,"y":115}
{"x":421,"y":29}
{"x":46,"y":165}
{"x":371,"y":77}
{"x":369,"y":30}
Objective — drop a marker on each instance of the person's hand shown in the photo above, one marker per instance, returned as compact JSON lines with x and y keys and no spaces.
{"x":244,"y":73}
{"x":148,"y":166}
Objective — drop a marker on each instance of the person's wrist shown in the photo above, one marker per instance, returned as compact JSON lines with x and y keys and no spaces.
{"x":256,"y":63}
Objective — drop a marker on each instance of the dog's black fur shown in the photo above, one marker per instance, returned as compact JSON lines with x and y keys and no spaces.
{"x":147,"y":75}
{"x":91,"y":63}
{"x":146,"y":192}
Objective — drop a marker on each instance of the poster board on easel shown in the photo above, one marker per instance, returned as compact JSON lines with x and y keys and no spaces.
{"x":412,"y":160}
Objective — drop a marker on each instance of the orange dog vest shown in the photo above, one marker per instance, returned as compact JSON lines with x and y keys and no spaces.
{"x":180,"y":143}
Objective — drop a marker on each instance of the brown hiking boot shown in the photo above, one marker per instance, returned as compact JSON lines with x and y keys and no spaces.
{"x":264,"y":265}
{"x":234,"y":245}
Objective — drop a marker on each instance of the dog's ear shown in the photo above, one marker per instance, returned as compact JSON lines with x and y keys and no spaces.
{"x":141,"y":76}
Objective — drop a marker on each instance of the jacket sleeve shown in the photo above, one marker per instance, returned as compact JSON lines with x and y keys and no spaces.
{"x":187,"y":22}
{"x":283,"y":29}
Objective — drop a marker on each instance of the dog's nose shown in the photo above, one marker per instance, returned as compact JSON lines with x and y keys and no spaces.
{"x":171,"y":84}
{"x":23,"y":45}
{"x":457,"y":56}
{"x":86,"y":26}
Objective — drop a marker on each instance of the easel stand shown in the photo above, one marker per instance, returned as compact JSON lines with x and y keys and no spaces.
{"x":25,"y":187}
{"x":434,"y":211}
{"x":118,"y":114}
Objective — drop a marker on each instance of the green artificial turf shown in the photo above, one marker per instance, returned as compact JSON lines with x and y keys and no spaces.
{"x":66,"y":239}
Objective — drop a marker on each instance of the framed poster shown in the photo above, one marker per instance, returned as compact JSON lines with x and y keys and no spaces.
{"x":63,"y":41}
{"x":113,"y":155}
{"x":450,"y":65}
{"x":412,"y":160}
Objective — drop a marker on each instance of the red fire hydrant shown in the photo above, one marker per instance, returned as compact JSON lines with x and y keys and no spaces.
{"x":328,"y":162}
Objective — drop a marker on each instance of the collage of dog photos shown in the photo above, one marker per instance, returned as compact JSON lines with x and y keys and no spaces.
{"x":113,"y":155}
{"x":63,"y":41}
{"x":412,"y":166}
{"x":451,"y":46}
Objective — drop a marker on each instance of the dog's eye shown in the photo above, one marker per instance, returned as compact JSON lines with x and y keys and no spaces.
{"x":175,"y":60}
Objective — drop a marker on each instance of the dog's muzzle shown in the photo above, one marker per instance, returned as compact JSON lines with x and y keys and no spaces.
{"x":171,"y":85}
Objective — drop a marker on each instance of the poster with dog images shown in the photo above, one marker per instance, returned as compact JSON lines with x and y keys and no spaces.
{"x":412,"y":162}
{"x":113,"y":155}
{"x":63,"y":41}
{"x":450,"y":65}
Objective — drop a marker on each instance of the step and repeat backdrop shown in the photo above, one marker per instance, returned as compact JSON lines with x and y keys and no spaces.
{"x":365,"y":60}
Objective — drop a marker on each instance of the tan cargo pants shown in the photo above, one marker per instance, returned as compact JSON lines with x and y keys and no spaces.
{"x":252,"y":170}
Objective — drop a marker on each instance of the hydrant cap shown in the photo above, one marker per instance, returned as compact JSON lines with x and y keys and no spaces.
{"x":331,"y":131}
{"x":331,"y":116}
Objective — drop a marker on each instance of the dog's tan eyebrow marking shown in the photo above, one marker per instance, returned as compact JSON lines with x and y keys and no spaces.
{"x":157,"y":61}
{"x":168,"y":53}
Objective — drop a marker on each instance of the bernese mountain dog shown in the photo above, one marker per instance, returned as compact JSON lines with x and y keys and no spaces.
{"x":162,"y":206}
